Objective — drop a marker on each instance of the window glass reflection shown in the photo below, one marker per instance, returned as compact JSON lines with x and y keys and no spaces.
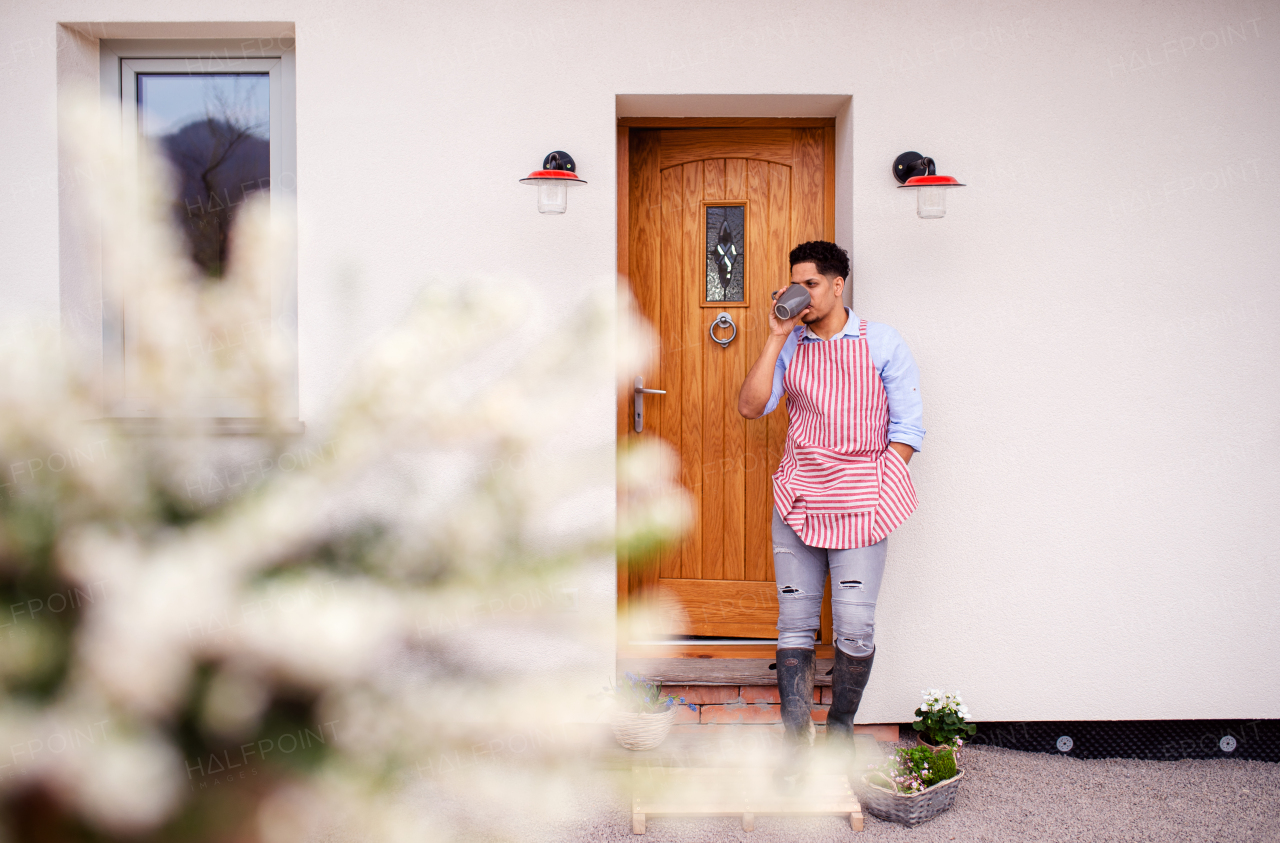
{"x":215,"y":129}
{"x":725,"y":235}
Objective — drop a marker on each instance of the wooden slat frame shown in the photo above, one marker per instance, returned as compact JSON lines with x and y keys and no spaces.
{"x":736,"y":791}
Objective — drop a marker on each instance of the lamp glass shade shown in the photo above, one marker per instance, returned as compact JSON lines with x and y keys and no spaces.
{"x":931,"y":202}
{"x":553,"y":196}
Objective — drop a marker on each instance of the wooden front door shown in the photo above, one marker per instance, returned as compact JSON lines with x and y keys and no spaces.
{"x":711,"y":216}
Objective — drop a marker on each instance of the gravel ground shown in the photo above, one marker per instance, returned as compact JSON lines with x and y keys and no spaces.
{"x":1006,"y":795}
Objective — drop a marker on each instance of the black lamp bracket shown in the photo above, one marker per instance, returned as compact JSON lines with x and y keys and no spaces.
{"x":558,"y":161}
{"x":911,"y":164}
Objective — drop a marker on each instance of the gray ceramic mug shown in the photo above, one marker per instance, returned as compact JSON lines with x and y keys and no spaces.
{"x":793,"y":300}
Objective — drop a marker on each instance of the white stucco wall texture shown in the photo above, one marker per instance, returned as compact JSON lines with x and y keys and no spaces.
{"x":1095,"y":319}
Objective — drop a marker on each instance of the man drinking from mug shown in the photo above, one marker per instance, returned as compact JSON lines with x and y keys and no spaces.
{"x":855,"y":420}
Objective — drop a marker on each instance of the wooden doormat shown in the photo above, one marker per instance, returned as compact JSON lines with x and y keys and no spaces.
{"x":736,"y":791}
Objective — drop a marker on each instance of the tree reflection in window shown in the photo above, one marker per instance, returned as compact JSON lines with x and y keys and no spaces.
{"x":215,"y":129}
{"x":725,"y":227}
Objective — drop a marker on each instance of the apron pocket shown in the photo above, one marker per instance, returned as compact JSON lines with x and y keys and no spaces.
{"x":835,"y":484}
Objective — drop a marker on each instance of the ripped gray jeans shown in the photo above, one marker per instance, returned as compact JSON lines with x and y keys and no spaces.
{"x":801,"y":574}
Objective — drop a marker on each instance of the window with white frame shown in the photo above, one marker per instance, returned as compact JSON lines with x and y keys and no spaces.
{"x":222,"y":113}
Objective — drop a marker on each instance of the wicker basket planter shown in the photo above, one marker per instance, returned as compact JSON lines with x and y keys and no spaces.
{"x":938,"y":747}
{"x":642,"y":731}
{"x":910,"y":809}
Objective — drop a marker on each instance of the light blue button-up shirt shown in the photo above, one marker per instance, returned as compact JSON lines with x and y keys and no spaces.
{"x":892,"y":359}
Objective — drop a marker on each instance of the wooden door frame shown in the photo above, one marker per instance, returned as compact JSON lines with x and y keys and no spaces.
{"x":624,"y":125}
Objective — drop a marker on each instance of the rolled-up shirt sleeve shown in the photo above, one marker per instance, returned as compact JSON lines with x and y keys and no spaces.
{"x":779,"y":372}
{"x":901,"y":379}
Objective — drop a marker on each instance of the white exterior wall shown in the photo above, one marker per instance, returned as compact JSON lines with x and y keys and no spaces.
{"x":1095,"y":319}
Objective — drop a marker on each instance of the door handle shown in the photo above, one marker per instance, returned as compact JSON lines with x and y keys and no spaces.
{"x":640,"y":392}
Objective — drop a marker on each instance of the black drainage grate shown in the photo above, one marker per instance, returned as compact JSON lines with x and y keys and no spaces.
{"x":1152,"y":740}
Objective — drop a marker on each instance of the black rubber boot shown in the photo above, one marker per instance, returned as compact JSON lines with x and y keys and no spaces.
{"x":795,"y":692}
{"x":848,"y":680}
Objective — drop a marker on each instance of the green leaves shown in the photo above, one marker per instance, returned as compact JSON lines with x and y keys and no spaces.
{"x":942,"y":718}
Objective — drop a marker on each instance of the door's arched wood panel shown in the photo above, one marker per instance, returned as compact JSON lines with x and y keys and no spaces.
{"x":681,"y":146}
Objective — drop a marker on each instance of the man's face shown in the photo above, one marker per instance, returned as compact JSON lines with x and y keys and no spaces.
{"x":824,"y":292}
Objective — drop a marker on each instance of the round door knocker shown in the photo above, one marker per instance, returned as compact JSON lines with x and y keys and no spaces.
{"x":724,"y":320}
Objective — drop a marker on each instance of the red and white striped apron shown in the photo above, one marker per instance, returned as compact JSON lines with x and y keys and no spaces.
{"x":839,"y":484}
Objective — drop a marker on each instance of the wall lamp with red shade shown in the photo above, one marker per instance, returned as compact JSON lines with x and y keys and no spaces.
{"x":913,"y":170}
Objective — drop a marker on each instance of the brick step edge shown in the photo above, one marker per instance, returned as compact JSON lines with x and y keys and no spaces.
{"x":753,"y":705}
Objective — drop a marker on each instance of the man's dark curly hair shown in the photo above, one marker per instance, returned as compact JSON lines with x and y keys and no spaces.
{"x":830,"y":259}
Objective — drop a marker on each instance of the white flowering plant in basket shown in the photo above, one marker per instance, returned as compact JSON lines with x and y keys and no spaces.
{"x":942,"y":719}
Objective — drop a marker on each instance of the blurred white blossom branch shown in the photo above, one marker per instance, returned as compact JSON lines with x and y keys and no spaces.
{"x":212,"y":632}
